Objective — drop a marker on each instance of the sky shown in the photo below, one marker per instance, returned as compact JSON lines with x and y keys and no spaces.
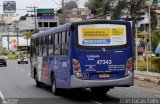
{"x":22,"y":4}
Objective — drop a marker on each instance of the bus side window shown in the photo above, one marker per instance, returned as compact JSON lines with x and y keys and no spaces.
{"x":56,"y":44}
{"x":46,"y":46}
{"x":60,"y":44}
{"x":53,"y":43}
{"x":37,"y":49}
{"x":66,"y":43}
{"x":50,"y":48}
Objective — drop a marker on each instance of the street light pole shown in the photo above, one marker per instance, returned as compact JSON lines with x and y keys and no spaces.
{"x":35,"y":16}
{"x":8,"y":36}
{"x":136,"y":48}
{"x":17,"y":30}
{"x":63,"y":18}
{"x":150,"y":56}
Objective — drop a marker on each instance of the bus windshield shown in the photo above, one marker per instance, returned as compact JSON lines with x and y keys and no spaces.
{"x":102,"y":35}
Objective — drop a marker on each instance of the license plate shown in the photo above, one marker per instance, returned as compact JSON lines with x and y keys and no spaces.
{"x":104,"y":75}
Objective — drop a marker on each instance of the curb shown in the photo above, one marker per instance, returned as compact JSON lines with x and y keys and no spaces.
{"x":148,"y":80}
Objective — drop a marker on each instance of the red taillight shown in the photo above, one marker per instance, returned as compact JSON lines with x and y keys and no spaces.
{"x":76,"y":68}
{"x":129,"y":64}
{"x":129,"y":67}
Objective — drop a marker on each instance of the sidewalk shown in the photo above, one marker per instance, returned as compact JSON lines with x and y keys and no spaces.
{"x":147,"y":76}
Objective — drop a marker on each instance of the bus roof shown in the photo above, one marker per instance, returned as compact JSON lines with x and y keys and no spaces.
{"x":68,"y":25}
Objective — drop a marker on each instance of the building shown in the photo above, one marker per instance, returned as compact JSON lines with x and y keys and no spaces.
{"x":12,"y":37}
{"x":44,"y":24}
{"x":6,"y":18}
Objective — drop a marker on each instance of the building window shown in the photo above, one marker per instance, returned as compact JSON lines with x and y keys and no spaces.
{"x":52,"y":24}
{"x":39,"y":24}
{"x":45,"y":24}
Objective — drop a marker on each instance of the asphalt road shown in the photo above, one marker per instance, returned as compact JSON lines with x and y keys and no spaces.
{"x":15,"y":82}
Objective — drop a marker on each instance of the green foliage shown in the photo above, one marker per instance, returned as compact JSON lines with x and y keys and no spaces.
{"x":156,"y":70}
{"x":23,"y":17}
{"x":99,"y":6}
{"x":12,"y":56}
{"x":155,"y":39}
{"x":27,"y":35}
{"x":156,"y":62}
{"x":4,"y":52}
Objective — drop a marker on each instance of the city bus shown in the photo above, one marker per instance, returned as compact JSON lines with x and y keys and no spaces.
{"x":95,"y":54}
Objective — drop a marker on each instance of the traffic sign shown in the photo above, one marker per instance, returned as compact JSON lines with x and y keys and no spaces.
{"x":45,"y":13}
{"x":45,"y":17}
{"x":9,"y":6}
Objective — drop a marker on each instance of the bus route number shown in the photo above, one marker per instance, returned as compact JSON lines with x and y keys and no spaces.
{"x":103,"y":62}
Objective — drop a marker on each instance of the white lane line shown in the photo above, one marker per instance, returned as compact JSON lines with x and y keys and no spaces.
{"x":2,"y":97}
{"x":95,"y":102}
{"x":134,"y":90}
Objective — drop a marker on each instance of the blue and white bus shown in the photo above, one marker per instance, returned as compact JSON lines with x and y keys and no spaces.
{"x":95,"y":54}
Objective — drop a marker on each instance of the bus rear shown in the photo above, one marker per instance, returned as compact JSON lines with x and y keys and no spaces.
{"x":101,"y":55}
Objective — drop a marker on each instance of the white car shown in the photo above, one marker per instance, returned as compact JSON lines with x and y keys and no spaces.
{"x":145,"y":53}
{"x":22,"y":59}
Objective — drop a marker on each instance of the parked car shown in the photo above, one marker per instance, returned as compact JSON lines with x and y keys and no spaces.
{"x":140,"y":52}
{"x":22,"y":59}
{"x":145,"y":53}
{"x":3,"y":60}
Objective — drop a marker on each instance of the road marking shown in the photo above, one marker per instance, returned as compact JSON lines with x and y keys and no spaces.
{"x":2,"y":97}
{"x":95,"y":102}
{"x":133,"y":90}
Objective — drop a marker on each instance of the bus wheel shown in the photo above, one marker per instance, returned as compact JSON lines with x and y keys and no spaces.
{"x":99,"y":90}
{"x":53,"y":86}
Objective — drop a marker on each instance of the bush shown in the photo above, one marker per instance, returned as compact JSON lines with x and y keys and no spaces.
{"x":156,"y":64}
{"x":156,"y":70}
{"x":4,"y":52}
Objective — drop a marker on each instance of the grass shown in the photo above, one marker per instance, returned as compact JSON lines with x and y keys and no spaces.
{"x":12,"y":56}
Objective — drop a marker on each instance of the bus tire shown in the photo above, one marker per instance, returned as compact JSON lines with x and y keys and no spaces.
{"x":55,"y":90}
{"x":99,"y":90}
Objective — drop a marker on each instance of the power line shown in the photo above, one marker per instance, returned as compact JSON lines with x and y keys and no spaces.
{"x":56,"y":2}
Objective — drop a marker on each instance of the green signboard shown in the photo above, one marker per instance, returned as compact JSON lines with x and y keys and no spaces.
{"x":45,"y":11}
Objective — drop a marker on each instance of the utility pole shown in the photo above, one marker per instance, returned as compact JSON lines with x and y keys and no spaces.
{"x":35,"y":16}
{"x":63,"y":19}
{"x":8,"y":35}
{"x":150,"y":38}
{"x":17,"y":31}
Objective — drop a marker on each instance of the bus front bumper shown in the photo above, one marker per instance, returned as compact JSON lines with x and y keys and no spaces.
{"x":77,"y":83}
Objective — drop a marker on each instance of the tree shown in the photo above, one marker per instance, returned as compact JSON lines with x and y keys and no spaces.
{"x":27,"y":35}
{"x":133,"y":8}
{"x":155,"y":39}
{"x":98,"y":7}
{"x":23,"y":17}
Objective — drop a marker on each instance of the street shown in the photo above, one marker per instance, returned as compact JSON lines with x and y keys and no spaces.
{"x":15,"y":82}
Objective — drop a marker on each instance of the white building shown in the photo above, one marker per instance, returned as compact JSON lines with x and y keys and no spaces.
{"x":13,"y":40}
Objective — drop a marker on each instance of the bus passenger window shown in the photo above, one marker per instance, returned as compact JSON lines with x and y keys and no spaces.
{"x":65,"y":44}
{"x":56,"y":44}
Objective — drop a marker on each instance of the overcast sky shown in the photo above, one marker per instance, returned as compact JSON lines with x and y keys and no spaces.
{"x":22,"y":4}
